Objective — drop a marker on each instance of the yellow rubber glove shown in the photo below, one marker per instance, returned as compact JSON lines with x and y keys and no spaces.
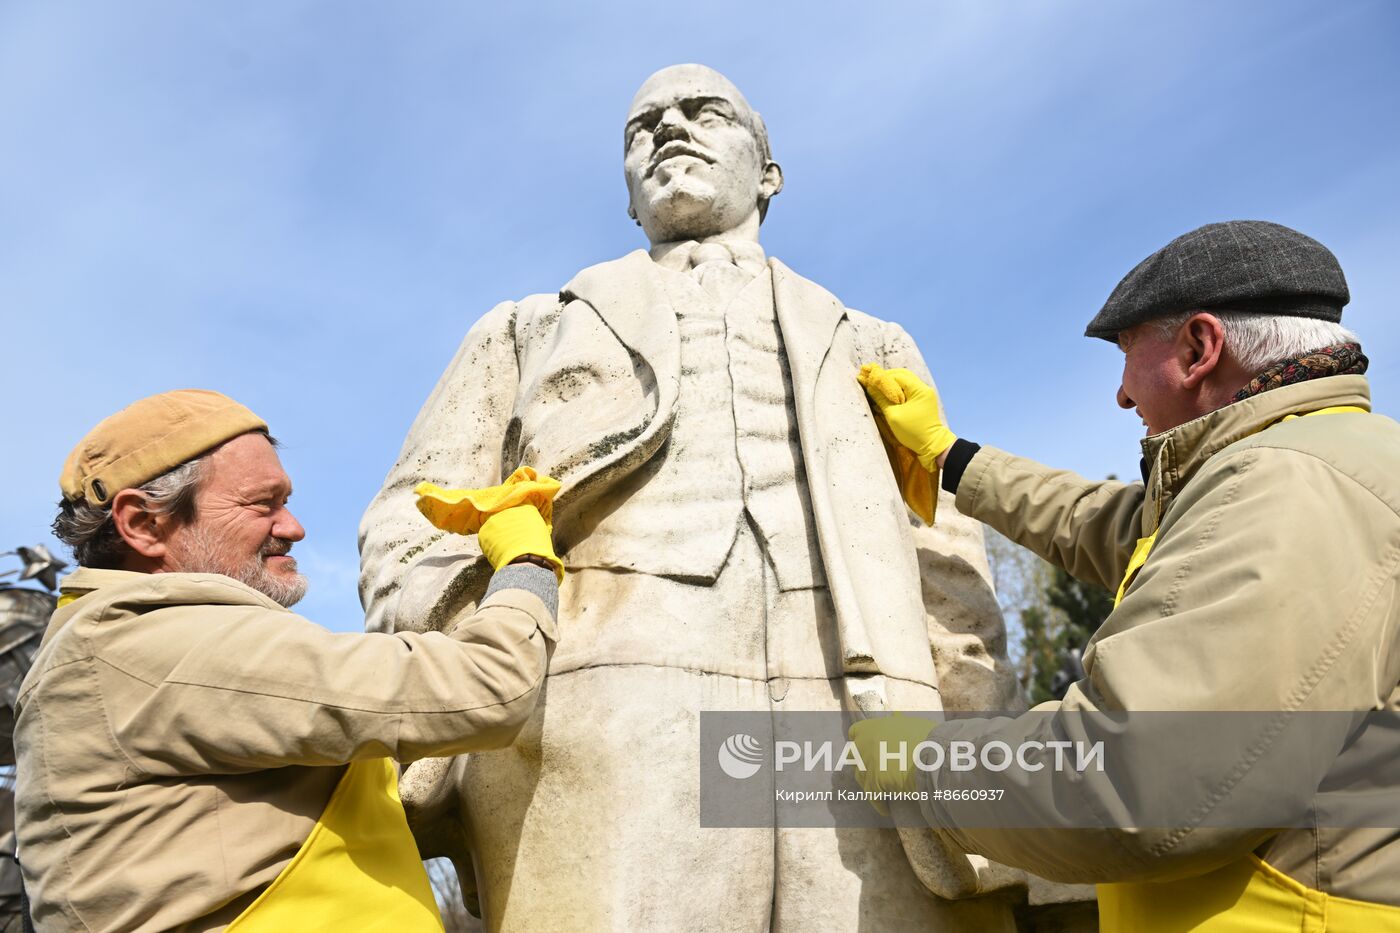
{"x":894,"y":736}
{"x":896,"y":408}
{"x":911,"y":408}
{"x":518,"y":512}
{"x":516,"y":532}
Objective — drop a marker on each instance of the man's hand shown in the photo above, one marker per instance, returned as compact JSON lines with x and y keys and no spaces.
{"x":886,"y":746}
{"x":911,"y":408}
{"x":516,"y":532}
{"x":511,"y":520}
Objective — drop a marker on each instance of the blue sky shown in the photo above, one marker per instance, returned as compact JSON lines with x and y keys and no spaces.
{"x":306,"y":204}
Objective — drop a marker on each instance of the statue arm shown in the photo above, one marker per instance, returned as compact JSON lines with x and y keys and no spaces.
{"x":967,"y":636}
{"x":966,"y":632}
{"x":412,"y":576}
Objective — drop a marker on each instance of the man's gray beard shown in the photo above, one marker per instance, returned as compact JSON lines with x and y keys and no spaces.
{"x":202,"y":553}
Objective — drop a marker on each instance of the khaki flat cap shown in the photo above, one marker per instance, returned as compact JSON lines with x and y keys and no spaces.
{"x":149,"y":438}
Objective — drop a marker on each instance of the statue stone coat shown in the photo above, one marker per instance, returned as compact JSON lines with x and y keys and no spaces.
{"x":584,"y":386}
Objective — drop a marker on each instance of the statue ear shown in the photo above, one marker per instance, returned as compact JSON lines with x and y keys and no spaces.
{"x":768,"y":186}
{"x":772,"y":181}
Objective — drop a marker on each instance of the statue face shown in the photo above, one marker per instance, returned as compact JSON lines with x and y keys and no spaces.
{"x":693,"y":165}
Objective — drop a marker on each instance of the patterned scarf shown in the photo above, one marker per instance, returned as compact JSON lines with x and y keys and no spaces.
{"x":1343,"y":359}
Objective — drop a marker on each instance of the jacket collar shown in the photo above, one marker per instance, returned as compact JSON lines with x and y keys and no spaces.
{"x":627,"y":292}
{"x":1174,"y":456}
{"x":98,"y":589}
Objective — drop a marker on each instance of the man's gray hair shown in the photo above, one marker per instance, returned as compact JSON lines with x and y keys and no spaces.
{"x":1259,"y":340}
{"x":92,"y":535}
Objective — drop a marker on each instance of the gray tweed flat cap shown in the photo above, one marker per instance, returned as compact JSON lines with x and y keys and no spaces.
{"x":1239,"y":265}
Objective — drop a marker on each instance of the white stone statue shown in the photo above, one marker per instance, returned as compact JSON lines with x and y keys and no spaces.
{"x":735,"y":541}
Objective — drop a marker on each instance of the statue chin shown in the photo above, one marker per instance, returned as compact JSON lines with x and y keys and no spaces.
{"x":687,"y":210}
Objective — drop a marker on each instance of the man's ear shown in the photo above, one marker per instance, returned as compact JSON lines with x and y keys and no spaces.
{"x":771,"y":182}
{"x":1203,"y":348}
{"x":143,"y":531}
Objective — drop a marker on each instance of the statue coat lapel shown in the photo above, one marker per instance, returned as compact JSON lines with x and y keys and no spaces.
{"x":867,"y":548}
{"x":628,"y":296}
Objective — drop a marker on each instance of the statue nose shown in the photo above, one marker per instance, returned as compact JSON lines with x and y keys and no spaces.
{"x":670,"y":126}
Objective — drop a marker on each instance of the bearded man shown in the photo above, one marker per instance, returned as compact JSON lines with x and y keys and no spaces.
{"x":192,"y":755}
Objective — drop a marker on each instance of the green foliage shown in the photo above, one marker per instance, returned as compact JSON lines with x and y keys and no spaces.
{"x":1075,"y":611}
{"x":1041,"y":658}
{"x":1052,"y":611}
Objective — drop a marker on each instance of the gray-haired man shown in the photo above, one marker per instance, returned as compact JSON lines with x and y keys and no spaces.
{"x":1257,"y":568}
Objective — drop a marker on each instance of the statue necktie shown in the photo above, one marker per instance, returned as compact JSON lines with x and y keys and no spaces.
{"x":722,"y":268}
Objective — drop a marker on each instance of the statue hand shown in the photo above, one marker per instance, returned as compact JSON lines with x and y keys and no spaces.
{"x":911,"y":409}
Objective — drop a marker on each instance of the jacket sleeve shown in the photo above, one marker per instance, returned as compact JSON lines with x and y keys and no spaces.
{"x":965,"y":627}
{"x":1233,"y":611}
{"x":1088,"y":528}
{"x":237,"y":687}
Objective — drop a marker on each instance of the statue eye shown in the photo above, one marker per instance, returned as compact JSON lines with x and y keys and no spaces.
{"x":712,"y":113}
{"x":640,"y":126}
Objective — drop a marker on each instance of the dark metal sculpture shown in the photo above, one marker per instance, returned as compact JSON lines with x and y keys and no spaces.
{"x":39,"y":565}
{"x":24,"y":614}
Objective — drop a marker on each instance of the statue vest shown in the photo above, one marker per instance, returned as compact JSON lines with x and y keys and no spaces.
{"x":733,"y":448}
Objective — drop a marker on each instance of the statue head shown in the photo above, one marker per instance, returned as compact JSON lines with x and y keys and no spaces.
{"x":696,"y":157}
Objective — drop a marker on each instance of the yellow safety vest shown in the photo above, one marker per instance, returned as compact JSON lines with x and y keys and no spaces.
{"x":358,"y":869}
{"x":1246,"y":896}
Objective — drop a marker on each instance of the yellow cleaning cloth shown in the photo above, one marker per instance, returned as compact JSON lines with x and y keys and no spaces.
{"x":463,"y":511}
{"x":917,"y":485}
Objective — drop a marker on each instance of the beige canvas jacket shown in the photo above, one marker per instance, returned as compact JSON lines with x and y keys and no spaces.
{"x":1274,"y":585}
{"x":179,"y":735}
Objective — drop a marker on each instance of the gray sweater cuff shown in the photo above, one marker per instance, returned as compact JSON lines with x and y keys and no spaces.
{"x":531,"y":579}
